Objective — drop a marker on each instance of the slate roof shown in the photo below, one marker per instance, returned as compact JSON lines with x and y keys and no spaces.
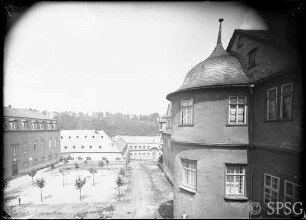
{"x":24,"y":113}
{"x":139,"y":139}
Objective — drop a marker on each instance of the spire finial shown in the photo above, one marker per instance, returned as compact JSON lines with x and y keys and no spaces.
{"x":219,"y":35}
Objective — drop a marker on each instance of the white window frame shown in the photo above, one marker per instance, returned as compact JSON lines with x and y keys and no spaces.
{"x":50,"y":143}
{"x":13,"y":125}
{"x":15,"y":150}
{"x":268,"y":103}
{"x":270,"y":187}
{"x":235,"y":175}
{"x":189,"y":170}
{"x":183,"y":118}
{"x":294,"y":199}
{"x":55,"y":142}
{"x":236,"y":115}
{"x":281,"y":101}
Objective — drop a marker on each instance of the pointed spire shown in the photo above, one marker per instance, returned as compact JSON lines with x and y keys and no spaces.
{"x":219,"y":34}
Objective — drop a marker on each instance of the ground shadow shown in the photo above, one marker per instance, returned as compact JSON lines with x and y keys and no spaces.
{"x":166,"y":209}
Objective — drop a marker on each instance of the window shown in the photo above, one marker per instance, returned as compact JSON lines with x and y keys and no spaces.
{"x":26,"y":164}
{"x":23,"y":125}
{"x":101,"y":136}
{"x":286,"y":101}
{"x":69,"y":137}
{"x":139,"y":147}
{"x":73,"y":147}
{"x":189,"y":173}
{"x":135,"y":147}
{"x":131,"y":147}
{"x":131,"y":153}
{"x":186,"y":111}
{"x":293,"y":192}
{"x":32,"y":125}
{"x":235,"y":180}
{"x":271,"y":103}
{"x":148,"y":153}
{"x":144,"y":147}
{"x":100,"y":147}
{"x":13,"y":125}
{"x":15,"y":150}
{"x":85,"y":136}
{"x":66,"y":147}
{"x":42,"y":144}
{"x":90,"y":147}
{"x":50,"y":157}
{"x":252,"y":58}
{"x":168,"y":122}
{"x":148,"y":147}
{"x":82,"y":147}
{"x":237,"y":110}
{"x":93,"y":136}
{"x":271,"y":188}
{"x":61,"y":137}
{"x":55,"y":142}
{"x":35,"y":146}
{"x":55,"y":155}
{"x":25,"y":148}
{"x":50,"y":143}
{"x":77,"y":136}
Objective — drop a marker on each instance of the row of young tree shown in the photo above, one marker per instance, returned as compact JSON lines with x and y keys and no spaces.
{"x":112,"y":125}
{"x":79,"y":182}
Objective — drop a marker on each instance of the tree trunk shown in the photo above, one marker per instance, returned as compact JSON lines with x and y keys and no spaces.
{"x":119,"y":193}
{"x":41,"y":194}
{"x":80,"y":195}
{"x":63,"y":179}
{"x":32,"y":181}
{"x":93,"y":179}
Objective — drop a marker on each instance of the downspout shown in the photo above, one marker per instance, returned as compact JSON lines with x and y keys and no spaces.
{"x":251,"y":110}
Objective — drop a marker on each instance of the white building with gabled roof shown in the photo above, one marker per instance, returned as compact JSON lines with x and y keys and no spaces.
{"x":95,"y":145}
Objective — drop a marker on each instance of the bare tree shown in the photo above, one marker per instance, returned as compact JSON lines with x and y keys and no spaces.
{"x":122,"y":173}
{"x":52,"y":167}
{"x":86,"y":162}
{"x":65,"y":161}
{"x":63,"y":173}
{"x":119,"y":182}
{"x":79,"y":183}
{"x":32,"y":173}
{"x":93,"y":171}
{"x":107,"y":162}
{"x":101,"y":164}
{"x":41,"y":184}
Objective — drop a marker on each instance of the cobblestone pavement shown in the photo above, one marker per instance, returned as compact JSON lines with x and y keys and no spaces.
{"x":148,"y":193}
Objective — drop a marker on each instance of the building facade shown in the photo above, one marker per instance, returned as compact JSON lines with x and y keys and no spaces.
{"x":141,"y":147}
{"x":235,"y":128}
{"x":31,"y":141}
{"x":80,"y":145}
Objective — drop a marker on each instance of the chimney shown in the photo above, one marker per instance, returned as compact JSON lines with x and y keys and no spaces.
{"x":9,"y":106}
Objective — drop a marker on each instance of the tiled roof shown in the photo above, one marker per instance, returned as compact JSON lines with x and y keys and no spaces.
{"x":24,"y":113}
{"x":220,"y":68}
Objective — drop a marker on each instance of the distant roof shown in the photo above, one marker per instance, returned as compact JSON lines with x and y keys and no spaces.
{"x":139,"y":139}
{"x":24,"y":113}
{"x":119,"y":144}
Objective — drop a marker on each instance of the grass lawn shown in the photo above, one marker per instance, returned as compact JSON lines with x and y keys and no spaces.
{"x":62,"y":201}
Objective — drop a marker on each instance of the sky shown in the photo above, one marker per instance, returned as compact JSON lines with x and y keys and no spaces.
{"x":117,"y":57}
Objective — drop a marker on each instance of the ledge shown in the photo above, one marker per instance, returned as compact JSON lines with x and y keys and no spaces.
{"x":186,"y":125}
{"x":278,"y":120}
{"x":236,"y":198}
{"x":236,"y":125}
{"x":188,"y":189}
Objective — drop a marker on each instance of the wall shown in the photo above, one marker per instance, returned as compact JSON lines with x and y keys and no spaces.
{"x":210,"y":118}
{"x":95,"y":156}
{"x":209,"y":200}
{"x":20,"y":137}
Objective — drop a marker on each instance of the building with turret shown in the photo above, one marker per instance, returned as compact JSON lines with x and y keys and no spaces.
{"x":236,"y":129}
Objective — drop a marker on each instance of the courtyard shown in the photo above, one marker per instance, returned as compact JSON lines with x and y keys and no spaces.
{"x":145,"y":194}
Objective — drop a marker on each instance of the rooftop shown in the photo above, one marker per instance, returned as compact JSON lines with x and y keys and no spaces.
{"x":24,"y":113}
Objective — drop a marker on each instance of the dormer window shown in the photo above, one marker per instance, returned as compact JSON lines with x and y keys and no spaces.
{"x":13,"y":124}
{"x":239,"y":42}
{"x":252,"y":58}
